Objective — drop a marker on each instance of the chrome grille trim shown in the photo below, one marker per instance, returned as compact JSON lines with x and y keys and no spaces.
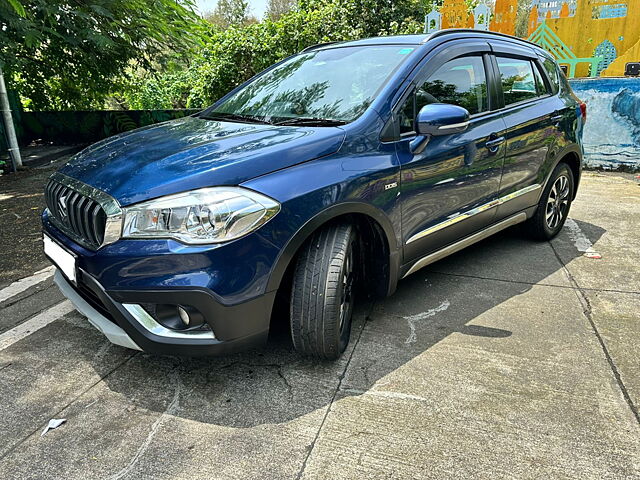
{"x":83,"y":203}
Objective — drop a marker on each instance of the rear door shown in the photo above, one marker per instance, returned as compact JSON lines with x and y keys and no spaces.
{"x":532,"y":114}
{"x":448,"y":188}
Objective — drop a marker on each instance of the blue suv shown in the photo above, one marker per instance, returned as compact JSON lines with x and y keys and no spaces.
{"x":339,"y":170}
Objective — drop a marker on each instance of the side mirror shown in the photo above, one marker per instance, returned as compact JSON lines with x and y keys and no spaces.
{"x":442,"y":119}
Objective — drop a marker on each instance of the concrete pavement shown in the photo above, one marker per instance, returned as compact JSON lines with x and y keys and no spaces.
{"x":511,"y":359}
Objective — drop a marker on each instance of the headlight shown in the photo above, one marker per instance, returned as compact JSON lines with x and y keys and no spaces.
{"x":207,"y":215}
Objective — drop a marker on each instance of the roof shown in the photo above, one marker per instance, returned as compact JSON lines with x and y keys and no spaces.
{"x":390,"y":40}
{"x":421,"y":39}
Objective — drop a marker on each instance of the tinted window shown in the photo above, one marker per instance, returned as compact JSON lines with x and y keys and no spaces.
{"x":518,"y":80}
{"x":334,"y":84}
{"x":552,"y":72}
{"x":459,"y":82}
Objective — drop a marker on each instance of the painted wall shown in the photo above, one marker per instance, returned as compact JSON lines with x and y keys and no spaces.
{"x":590,"y":37}
{"x":612,"y":131}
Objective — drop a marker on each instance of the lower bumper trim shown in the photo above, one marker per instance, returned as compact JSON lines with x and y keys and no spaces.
{"x":113,"y":332}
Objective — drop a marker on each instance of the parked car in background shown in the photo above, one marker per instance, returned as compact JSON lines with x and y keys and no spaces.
{"x":346,"y":167}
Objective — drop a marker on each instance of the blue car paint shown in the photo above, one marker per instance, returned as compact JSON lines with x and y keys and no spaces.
{"x":315,"y":173}
{"x":191,"y":153}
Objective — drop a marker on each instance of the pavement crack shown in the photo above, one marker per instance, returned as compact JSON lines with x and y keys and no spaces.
{"x":5,"y":366}
{"x":587,"y":311}
{"x":286,"y":382}
{"x":278,"y":368}
{"x":335,"y":394}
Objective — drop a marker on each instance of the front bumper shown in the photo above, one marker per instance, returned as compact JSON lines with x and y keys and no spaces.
{"x":234,"y":328}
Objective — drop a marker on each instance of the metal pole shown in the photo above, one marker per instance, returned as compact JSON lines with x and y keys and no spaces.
{"x":12,"y":140}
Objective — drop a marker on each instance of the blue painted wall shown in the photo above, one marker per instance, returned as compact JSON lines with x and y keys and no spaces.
{"x":612,"y":131}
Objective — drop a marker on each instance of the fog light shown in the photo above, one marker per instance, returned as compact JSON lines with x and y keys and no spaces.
{"x":184,"y":316}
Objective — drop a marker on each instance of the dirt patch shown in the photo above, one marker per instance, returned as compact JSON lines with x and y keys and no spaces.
{"x":21,"y":204}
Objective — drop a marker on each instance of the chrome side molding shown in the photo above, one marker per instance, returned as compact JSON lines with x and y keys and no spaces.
{"x":472,"y":212}
{"x":465,"y":242}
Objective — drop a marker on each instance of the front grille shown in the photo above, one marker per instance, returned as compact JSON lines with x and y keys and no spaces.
{"x":80,"y":217}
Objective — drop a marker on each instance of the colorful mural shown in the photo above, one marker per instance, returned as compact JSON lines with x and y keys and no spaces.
{"x":590,"y":38}
{"x":612,"y":132}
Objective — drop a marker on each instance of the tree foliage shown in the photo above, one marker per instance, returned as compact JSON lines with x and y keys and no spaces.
{"x":277,"y":8}
{"x":231,"y":56}
{"x":230,"y":12}
{"x":71,"y":55}
{"x":159,"y":54}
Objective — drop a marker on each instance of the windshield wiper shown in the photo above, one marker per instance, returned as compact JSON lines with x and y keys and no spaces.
{"x":236,"y":117}
{"x":319,"y":122}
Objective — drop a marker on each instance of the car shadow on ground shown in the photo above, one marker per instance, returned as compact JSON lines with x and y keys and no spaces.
{"x":274,"y":385}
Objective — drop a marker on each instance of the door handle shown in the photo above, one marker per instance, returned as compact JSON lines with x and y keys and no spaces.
{"x":556,"y":117}
{"x":493,"y":144}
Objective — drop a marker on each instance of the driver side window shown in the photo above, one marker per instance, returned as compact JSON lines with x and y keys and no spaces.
{"x":460,"y":81}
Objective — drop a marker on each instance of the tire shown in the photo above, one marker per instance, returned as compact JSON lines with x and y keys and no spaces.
{"x":553,"y":207}
{"x":321,"y":304}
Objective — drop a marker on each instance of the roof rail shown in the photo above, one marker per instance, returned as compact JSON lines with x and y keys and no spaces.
{"x":447,"y":31}
{"x":316,"y":46}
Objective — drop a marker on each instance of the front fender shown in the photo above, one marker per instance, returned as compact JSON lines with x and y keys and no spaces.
{"x":303,"y":233}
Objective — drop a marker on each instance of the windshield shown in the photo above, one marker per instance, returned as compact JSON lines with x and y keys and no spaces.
{"x":332,"y":86}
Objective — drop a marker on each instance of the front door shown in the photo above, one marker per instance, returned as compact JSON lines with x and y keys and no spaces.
{"x":448,"y":190}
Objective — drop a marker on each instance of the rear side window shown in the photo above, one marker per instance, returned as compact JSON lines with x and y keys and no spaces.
{"x":461,"y":82}
{"x":518,"y":79}
{"x":552,"y":72}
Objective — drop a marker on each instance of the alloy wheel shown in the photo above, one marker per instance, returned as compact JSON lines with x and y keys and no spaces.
{"x":347,"y":288}
{"x":558,"y":202}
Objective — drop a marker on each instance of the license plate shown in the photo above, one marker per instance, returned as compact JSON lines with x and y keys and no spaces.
{"x":62,"y":259}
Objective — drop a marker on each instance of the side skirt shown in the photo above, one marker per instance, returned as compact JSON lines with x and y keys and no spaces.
{"x":465,"y":242}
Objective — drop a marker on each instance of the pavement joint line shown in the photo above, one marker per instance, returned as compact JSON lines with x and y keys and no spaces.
{"x":35,"y":323}
{"x":478,"y":277}
{"x":23,"y":284}
{"x":67,"y":405}
{"x":587,"y":312}
{"x":335,"y":394}
{"x":144,"y":446}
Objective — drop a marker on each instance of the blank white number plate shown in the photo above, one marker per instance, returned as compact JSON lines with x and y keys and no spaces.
{"x":61,"y":258}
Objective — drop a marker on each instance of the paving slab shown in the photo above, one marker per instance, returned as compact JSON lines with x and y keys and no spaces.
{"x":617,"y":318}
{"x":607,"y":212}
{"x":538,"y":402}
{"x":27,"y":304}
{"x":509,"y":255}
{"x":250,"y":415}
{"x":511,"y":359}
{"x":41,"y":374}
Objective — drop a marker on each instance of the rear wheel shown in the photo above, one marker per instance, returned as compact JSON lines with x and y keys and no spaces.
{"x":322,"y":293}
{"x":553,"y":207}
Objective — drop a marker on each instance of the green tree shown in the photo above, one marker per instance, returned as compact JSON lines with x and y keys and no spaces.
{"x":71,"y":55}
{"x":232,"y":56}
{"x":277,"y":8}
{"x":230,"y":12}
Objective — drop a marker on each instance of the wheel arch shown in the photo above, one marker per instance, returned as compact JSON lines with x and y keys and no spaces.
{"x":572,"y":156}
{"x":369,"y":220}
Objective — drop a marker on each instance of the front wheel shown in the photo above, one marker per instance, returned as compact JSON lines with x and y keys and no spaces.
{"x":553,"y":207}
{"x":322,"y":293}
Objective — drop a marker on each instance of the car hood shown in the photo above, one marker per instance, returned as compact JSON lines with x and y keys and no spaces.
{"x":192,"y":153}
